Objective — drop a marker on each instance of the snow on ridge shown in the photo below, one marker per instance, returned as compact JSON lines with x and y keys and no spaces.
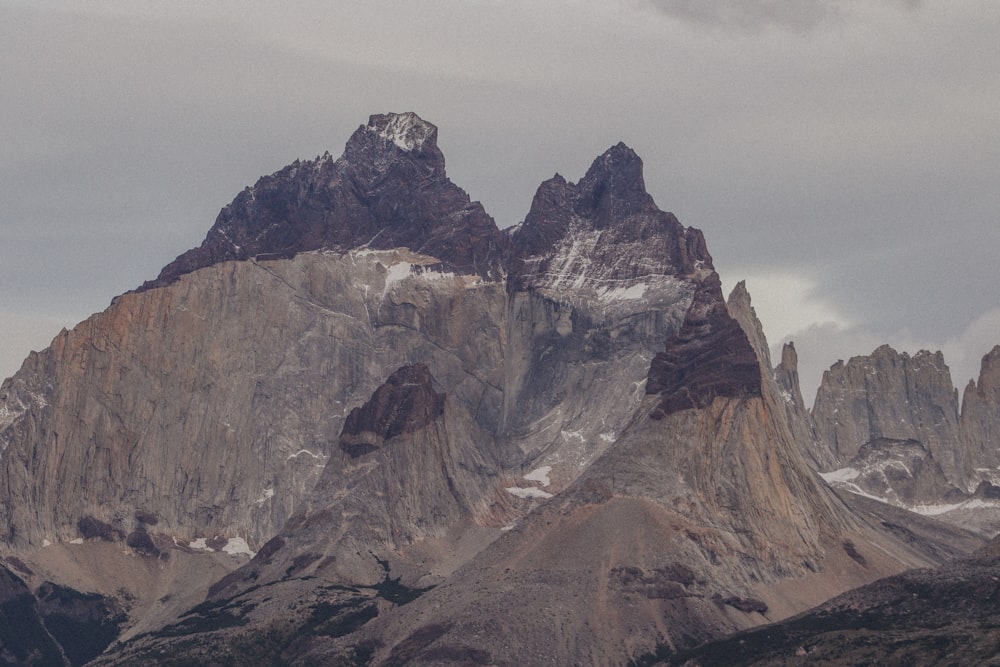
{"x":636,"y":291}
{"x":200,"y":544}
{"x":531,"y":492}
{"x":237,"y":546}
{"x":406,"y":130}
{"x":935,"y":510}
{"x":841,"y":475}
{"x":320,"y":457}
{"x":540,"y":475}
{"x":396,"y":273}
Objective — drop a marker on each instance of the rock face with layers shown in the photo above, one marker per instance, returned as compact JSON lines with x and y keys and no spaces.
{"x":213,"y":403}
{"x":709,"y":357}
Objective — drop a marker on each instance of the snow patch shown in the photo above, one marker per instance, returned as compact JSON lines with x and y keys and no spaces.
{"x":842,"y":475}
{"x":237,"y":546}
{"x":396,"y":273}
{"x":406,"y":130}
{"x":527,"y":493}
{"x":540,"y":475}
{"x":46,"y":543}
{"x":264,"y":497}
{"x":200,"y":544}
{"x":934,"y":510}
{"x":632,"y":293}
{"x":78,"y":540}
{"x":320,"y":457}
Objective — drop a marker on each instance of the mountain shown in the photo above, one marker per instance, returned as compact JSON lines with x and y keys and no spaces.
{"x":359,"y":423}
{"x":893,"y":426}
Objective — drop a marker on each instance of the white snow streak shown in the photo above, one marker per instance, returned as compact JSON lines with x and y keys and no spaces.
{"x":842,"y":475}
{"x":306,"y":451}
{"x":527,"y":493}
{"x":540,"y":475}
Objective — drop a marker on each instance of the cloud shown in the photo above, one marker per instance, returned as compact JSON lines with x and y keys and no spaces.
{"x":964,"y":352}
{"x":786,"y":302}
{"x":753,"y":15}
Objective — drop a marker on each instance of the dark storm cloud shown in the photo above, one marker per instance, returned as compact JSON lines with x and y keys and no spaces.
{"x":797,"y":15}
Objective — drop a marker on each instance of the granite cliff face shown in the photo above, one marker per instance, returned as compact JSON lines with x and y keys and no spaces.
{"x":416,"y":425}
{"x":214,"y":405}
{"x":895,"y":432}
{"x":895,"y":396}
{"x":980,"y":422}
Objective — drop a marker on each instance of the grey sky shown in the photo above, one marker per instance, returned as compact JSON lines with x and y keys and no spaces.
{"x":842,"y":156}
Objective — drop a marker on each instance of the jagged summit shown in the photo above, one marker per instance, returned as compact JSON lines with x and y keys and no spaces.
{"x":613,"y":188}
{"x":406,"y":131}
{"x":388,"y":190}
{"x":601,"y":231}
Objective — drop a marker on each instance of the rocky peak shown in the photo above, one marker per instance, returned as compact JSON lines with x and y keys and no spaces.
{"x":407,"y":131}
{"x":604,"y":228}
{"x":388,"y":190}
{"x":981,"y":414}
{"x":613,"y":188}
{"x":892,"y":396}
{"x":786,"y":373}
{"x":739,"y":306}
{"x":989,"y":373}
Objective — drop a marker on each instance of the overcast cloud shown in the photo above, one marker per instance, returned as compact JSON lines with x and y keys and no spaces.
{"x":843,"y":157}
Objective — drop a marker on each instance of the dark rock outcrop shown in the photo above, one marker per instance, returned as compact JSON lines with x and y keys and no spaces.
{"x":604,"y":228}
{"x":926,"y":617}
{"x":388,"y":190}
{"x":709,"y":357}
{"x":54,"y":625}
{"x":405,"y":403}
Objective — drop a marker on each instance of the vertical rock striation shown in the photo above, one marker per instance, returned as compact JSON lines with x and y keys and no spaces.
{"x":980,"y":424}
{"x":897,"y":397}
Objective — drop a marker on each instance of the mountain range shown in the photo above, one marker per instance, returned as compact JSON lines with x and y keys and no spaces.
{"x":361,"y":425}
